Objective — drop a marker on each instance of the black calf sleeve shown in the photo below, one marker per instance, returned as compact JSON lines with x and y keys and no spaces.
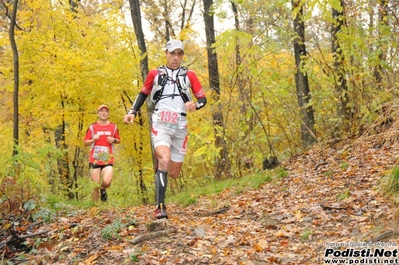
{"x":161,"y":181}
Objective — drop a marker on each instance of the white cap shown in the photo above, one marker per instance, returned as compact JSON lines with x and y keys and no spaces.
{"x":174,"y":44}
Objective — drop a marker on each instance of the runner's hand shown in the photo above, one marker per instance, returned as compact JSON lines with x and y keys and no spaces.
{"x":190,"y":106}
{"x":128,"y":118}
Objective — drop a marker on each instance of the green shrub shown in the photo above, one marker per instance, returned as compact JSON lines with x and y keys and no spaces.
{"x":390,"y":184}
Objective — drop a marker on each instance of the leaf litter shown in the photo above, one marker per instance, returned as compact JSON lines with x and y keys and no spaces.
{"x":330,"y":195}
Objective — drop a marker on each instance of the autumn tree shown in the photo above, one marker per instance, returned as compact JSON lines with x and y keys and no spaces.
{"x":223,"y":162}
{"x":341,"y":88}
{"x":381,"y":46}
{"x":170,"y":19}
{"x":138,"y":29}
{"x":12,"y":15}
{"x":301,"y":79}
{"x":63,"y":80}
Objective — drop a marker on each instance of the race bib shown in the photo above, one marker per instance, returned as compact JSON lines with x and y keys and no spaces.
{"x":168,"y":119}
{"x":101,"y":153}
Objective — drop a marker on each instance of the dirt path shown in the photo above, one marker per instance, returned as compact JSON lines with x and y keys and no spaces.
{"x":329,"y":196}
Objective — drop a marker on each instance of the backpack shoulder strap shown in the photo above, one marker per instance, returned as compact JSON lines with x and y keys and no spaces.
{"x":162,"y":69}
{"x":162,"y":78}
{"x":182,"y":71}
{"x":181,"y":82}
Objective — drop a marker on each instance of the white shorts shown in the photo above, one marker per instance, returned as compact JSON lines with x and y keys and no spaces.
{"x":174,"y":138}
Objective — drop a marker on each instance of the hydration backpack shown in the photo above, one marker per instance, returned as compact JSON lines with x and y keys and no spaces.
{"x":182,"y":82}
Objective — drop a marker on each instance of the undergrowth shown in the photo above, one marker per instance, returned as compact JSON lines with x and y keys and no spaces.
{"x":238,"y":185}
{"x":49,"y":206}
{"x":390,"y":185}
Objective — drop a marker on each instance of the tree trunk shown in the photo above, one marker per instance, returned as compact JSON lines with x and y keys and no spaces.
{"x":138,"y":29}
{"x":63,"y":161}
{"x":241,"y":89}
{"x":16,"y":78}
{"x":51,"y":177}
{"x":223,"y":163}
{"x":341,"y":87}
{"x":77,"y":162}
{"x":301,"y":80}
{"x":383,"y":21}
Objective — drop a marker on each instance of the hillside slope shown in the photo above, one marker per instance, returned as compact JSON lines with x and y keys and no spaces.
{"x":329,"y":196}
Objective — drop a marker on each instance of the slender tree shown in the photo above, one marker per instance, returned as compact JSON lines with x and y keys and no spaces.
{"x":77,"y":158}
{"x":240,"y":82}
{"x":301,"y":79}
{"x":60,"y":134}
{"x":63,"y":160}
{"x":341,"y":88}
{"x":383,"y":22}
{"x":13,"y":19}
{"x":169,"y":18}
{"x":223,"y":163}
{"x":138,"y":29}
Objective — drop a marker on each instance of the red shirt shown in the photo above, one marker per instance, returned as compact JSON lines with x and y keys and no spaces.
{"x":101,"y":152}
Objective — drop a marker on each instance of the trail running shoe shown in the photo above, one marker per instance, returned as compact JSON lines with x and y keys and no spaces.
{"x":103,"y":195}
{"x":161,"y":212}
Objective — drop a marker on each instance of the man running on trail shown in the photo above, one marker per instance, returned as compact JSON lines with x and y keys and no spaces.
{"x":101,"y":137}
{"x":169,"y":88}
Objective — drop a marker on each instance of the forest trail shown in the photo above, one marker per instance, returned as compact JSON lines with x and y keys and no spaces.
{"x":329,"y":196}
